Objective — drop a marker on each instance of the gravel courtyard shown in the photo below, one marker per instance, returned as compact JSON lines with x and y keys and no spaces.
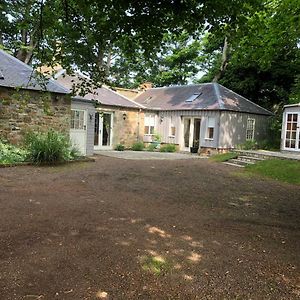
{"x":147,"y":229}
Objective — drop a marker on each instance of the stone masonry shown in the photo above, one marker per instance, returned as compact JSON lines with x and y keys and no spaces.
{"x":26,"y":110}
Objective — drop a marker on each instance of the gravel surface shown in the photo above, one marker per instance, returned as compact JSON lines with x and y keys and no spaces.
{"x":147,"y":229}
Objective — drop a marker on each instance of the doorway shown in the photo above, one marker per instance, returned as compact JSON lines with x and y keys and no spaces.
{"x":292,"y":132}
{"x":103,"y":130}
{"x":191,"y":133}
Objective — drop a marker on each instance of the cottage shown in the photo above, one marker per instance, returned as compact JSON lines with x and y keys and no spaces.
{"x":207,"y":116}
{"x":102,"y":118}
{"x":27,"y":102}
{"x":290,"y":133}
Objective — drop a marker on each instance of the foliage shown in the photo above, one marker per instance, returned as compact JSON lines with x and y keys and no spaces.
{"x":223,"y":156}
{"x":248,"y":145}
{"x":283,"y":170}
{"x":120,"y":147}
{"x":10,"y":154}
{"x":138,"y":146}
{"x":168,"y":148}
{"x":151,"y":147}
{"x":156,"y":137}
{"x":49,"y":148}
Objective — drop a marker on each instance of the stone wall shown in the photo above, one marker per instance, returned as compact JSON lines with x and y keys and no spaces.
{"x":24,"y":110}
{"x":128,"y":125}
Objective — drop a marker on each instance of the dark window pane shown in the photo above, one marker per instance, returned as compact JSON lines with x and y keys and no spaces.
{"x":295,"y":117}
{"x":146,"y":131}
{"x":289,"y":117}
{"x":293,"y":144}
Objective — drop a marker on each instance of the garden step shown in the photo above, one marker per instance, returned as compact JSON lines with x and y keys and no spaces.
{"x":233,"y":164}
{"x":241,"y":162}
{"x":250,"y":158}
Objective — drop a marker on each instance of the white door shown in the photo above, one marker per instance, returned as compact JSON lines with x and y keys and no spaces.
{"x":103,"y":131}
{"x":292,"y":132}
{"x":78,"y":130}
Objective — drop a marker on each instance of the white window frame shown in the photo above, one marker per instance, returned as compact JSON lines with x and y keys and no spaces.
{"x":79,"y":119}
{"x":211,"y":123}
{"x":172,"y":126}
{"x":250,"y":129}
{"x":149,"y":121}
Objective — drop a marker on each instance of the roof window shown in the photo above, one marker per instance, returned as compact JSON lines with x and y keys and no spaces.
{"x":193,"y":97}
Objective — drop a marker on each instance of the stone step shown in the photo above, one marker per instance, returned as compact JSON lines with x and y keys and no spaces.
{"x":241,"y":162}
{"x":252,"y":154}
{"x":250,"y":158}
{"x":233,"y":164}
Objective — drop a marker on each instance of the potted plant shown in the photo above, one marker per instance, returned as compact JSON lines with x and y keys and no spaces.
{"x":195,"y":147}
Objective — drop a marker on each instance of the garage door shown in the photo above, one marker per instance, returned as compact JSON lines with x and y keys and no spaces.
{"x":78,"y":130}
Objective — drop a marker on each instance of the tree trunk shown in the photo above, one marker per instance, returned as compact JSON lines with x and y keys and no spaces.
{"x":224,"y":62}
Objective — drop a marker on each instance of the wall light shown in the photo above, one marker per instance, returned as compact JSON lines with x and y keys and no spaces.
{"x":124,"y":116}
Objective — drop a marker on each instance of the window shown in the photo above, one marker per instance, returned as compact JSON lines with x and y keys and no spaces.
{"x":291,"y":131}
{"x":250,"y":129}
{"x":77,"y":119}
{"x":172,"y":128}
{"x":193,"y":97}
{"x":149,"y":124}
{"x":210,"y":128}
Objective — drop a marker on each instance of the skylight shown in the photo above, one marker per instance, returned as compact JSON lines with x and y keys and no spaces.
{"x":193,"y":97}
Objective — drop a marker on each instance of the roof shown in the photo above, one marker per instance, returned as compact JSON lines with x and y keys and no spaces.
{"x":16,"y":74}
{"x":206,"y":96}
{"x":292,"y":105}
{"x":103,"y":95}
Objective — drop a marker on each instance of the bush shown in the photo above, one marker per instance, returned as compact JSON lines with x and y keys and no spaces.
{"x":49,"y":148}
{"x":120,"y":147}
{"x":168,"y":148}
{"x":138,"y":146}
{"x":10,"y":154}
{"x":152,"y":147}
{"x":221,"y":157}
{"x":248,"y":145}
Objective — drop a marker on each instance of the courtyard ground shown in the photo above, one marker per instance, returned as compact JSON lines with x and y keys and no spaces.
{"x":147,"y":229}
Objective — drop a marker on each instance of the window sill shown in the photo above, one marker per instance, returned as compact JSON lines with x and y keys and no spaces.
{"x":208,"y":139}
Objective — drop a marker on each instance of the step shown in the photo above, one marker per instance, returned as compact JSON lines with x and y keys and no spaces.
{"x":241,"y":162}
{"x":254,"y":155}
{"x":250,"y":158}
{"x":233,"y":164}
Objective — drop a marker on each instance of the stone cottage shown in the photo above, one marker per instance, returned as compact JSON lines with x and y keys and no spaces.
{"x":29,"y":102}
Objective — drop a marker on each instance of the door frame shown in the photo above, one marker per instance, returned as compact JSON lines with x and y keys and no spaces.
{"x":100,"y":146}
{"x":191,"y":132}
{"x":81,"y":131}
{"x":297,"y":148}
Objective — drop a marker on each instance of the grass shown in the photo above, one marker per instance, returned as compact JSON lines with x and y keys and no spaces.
{"x":224,"y":156}
{"x":155,"y":264}
{"x":168,"y":148}
{"x":282,"y":170}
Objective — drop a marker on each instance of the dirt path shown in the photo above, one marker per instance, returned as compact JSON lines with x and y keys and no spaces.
{"x":129,"y":229}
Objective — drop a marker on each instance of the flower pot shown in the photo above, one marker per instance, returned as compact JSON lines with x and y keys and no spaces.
{"x":194,"y":149}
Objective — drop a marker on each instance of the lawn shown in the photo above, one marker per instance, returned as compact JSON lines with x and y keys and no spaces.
{"x":283,"y":170}
{"x":224,"y":156}
{"x":147,"y":229}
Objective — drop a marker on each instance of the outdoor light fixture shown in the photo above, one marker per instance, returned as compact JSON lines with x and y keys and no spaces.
{"x":161,"y":119}
{"x":124,"y":116}
{"x":91,"y":116}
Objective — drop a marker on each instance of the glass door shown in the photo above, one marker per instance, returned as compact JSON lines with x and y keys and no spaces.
{"x":103,"y":130}
{"x":292,"y":132}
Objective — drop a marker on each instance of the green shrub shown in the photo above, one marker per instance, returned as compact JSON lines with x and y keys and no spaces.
{"x":248,"y":145}
{"x":138,"y":146}
{"x":10,"y":154}
{"x":49,"y":148}
{"x":151,"y":147}
{"x":168,"y":148}
{"x":120,"y":147}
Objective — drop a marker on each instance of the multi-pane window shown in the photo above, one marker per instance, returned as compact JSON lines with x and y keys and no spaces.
{"x":77,"y":119}
{"x":210,"y":128}
{"x":291,"y":131}
{"x":250,"y":129}
{"x":172,"y":128}
{"x":149,"y":124}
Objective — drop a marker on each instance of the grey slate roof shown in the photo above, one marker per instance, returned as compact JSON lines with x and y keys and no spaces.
{"x":16,"y":74}
{"x":103,"y":95}
{"x":212,"y":96}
